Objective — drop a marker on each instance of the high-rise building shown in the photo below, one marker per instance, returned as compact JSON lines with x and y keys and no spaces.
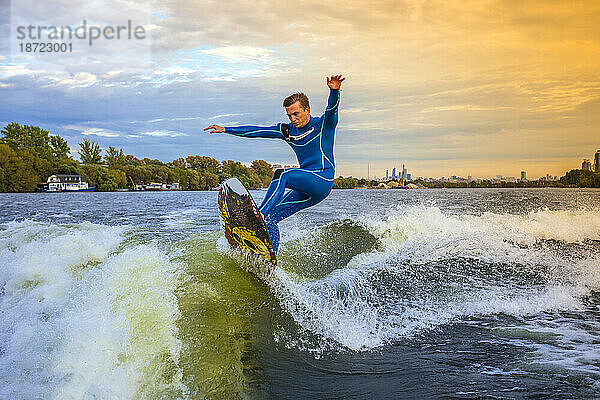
{"x":387,"y":174}
{"x":394,"y":173}
{"x":597,"y":161}
{"x":523,"y":175}
{"x":586,"y":165}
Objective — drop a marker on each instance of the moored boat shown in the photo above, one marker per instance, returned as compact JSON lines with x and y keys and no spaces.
{"x":66,"y":183}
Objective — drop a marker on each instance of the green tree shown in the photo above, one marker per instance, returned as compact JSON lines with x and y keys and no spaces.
{"x":60,"y":148}
{"x":149,"y":161}
{"x":30,"y":138}
{"x":132,"y":160}
{"x":179,"y":163}
{"x":68,"y":167}
{"x":204,"y":164}
{"x":138,"y":174}
{"x":15,"y":174}
{"x":104,"y":179}
{"x":248,"y":176}
{"x":363,"y":182}
{"x":114,"y":158}
{"x":574,"y":176}
{"x":345,"y":183}
{"x":211,"y":180}
{"x":41,"y":167}
{"x":90,"y":152}
{"x":193,"y":180}
{"x":592,"y":180}
{"x":161,"y":174}
{"x":118,"y":177}
{"x":264,"y":170}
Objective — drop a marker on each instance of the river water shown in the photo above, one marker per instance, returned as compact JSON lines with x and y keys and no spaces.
{"x":462,"y":293}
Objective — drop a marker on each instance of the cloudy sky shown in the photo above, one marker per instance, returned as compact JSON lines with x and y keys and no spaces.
{"x":448,"y":88}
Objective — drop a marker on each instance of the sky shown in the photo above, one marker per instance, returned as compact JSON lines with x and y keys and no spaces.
{"x":479,"y":88}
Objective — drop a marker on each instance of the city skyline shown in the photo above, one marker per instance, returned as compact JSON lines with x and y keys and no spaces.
{"x":500,"y":87}
{"x":586,"y":164}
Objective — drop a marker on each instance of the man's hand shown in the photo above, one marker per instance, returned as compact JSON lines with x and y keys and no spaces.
{"x":335,"y":82}
{"x":215,"y":129}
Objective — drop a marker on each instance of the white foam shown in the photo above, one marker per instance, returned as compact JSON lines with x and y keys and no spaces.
{"x":80,"y":320}
{"x":347,"y":307}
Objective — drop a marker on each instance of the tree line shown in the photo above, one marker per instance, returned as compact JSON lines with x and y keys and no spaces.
{"x":29,"y":155}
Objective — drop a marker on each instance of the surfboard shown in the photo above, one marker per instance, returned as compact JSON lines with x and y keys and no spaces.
{"x":244,"y":224}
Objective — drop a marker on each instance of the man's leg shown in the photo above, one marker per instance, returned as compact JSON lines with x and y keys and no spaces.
{"x":292,"y":202}
{"x":307,"y":189}
{"x":272,"y":186}
{"x":301,"y":180}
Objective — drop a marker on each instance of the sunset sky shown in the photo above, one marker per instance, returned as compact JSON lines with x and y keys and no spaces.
{"x":448,"y":88}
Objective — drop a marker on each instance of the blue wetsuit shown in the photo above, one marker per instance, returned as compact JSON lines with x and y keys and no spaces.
{"x":313,"y":180}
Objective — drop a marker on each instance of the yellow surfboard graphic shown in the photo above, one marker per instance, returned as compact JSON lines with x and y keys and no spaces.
{"x":244,"y":224}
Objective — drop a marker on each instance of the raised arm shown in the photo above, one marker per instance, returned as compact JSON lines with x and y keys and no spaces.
{"x":250,"y":131}
{"x":331,"y":112}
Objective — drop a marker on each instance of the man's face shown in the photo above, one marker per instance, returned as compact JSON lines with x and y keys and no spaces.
{"x":298,"y":116}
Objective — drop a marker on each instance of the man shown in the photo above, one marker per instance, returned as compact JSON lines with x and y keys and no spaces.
{"x":312,"y":140}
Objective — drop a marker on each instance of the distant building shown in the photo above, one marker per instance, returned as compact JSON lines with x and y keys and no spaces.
{"x":523,"y":176}
{"x":159,"y":187}
{"x":586,"y":165}
{"x":597,"y":161}
{"x":548,"y":178}
{"x":409,"y":177}
{"x":394,"y":173}
{"x":66,"y":183}
{"x":387,"y":174}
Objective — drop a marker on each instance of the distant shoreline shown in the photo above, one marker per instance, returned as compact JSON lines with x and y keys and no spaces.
{"x":356,"y":188}
{"x":32,"y":156}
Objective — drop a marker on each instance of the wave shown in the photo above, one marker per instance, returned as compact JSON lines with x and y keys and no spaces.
{"x":420,"y":268}
{"x":90,"y":310}
{"x":86,"y":313}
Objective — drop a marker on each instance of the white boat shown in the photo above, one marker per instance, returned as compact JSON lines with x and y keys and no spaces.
{"x":66,"y":183}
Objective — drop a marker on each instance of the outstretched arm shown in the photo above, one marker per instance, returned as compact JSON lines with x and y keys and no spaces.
{"x":333,"y":103}
{"x":249,"y":131}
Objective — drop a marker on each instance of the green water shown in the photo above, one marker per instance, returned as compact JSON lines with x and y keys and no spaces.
{"x":462,"y":294}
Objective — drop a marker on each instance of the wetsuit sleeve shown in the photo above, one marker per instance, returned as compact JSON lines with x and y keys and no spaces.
{"x":256,"y":131}
{"x":331,"y":112}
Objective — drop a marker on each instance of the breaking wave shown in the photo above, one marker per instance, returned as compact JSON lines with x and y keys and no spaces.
{"x":85,"y":313}
{"x":419,"y":268}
